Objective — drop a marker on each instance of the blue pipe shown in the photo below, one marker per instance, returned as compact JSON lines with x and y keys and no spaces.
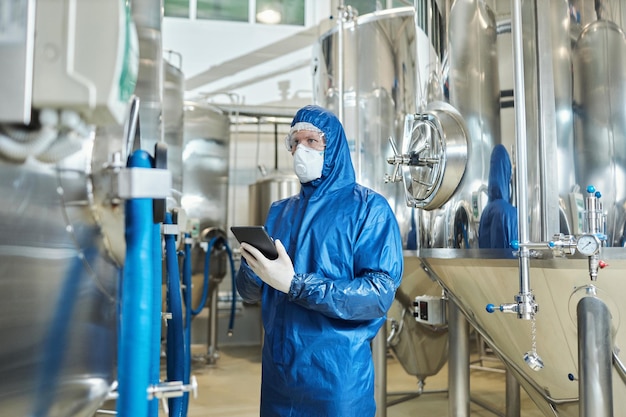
{"x":205,"y":285}
{"x":175,"y":332}
{"x":136,"y":303}
{"x":155,"y":344}
{"x":187,"y":297}
{"x":233,"y":304}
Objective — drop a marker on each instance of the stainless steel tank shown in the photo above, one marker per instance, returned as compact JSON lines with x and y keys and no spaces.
{"x":476,"y":278}
{"x":173,"y":103}
{"x":58,"y":284}
{"x":600,"y":124}
{"x":205,"y":162}
{"x":475,"y":92}
{"x":378,"y":91}
{"x":272,"y":187}
{"x":375,"y":91}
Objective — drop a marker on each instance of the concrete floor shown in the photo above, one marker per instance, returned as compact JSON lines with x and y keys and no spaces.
{"x":231,"y":388}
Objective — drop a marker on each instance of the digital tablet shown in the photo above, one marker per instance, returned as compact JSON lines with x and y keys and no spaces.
{"x":256,"y":236}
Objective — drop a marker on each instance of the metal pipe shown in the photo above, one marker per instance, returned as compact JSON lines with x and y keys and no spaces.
{"x":595,"y":385}
{"x":619,"y":367}
{"x":258,"y":111}
{"x":512,"y":391}
{"x":379,"y":355}
{"x":419,"y":100}
{"x":212,"y":352}
{"x":340,"y":60}
{"x":521,"y":155}
{"x":548,"y":182}
{"x":458,"y":363}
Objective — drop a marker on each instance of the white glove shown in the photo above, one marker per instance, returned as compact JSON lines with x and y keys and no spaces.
{"x":278,"y":273}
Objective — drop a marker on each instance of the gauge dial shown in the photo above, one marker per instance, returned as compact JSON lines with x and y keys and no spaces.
{"x":588,"y":245}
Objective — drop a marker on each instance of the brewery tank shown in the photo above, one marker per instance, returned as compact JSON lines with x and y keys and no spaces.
{"x":205,"y":174}
{"x":271,"y":187}
{"x":380,"y":88}
{"x":62,"y":249}
{"x":600,"y":125}
{"x":173,"y":99}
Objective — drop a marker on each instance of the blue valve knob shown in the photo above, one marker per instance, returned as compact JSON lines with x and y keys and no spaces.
{"x":598,"y":194}
{"x":490,"y":308}
{"x":571,"y":377}
{"x":551,"y":244}
{"x":515,"y":244}
{"x":591,"y":189}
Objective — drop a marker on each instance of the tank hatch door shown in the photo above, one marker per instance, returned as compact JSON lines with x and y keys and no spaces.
{"x":433,"y":157}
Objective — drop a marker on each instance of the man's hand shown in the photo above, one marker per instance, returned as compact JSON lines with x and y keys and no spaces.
{"x":278,"y":273}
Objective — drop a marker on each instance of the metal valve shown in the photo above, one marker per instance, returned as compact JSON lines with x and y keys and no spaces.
{"x":590,"y":243}
{"x":398,"y":159}
{"x":562,"y":245}
{"x":173,"y":389}
{"x":525,"y":305}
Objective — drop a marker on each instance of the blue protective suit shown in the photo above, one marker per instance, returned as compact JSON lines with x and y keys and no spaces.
{"x":498,"y":222}
{"x":346,"y":248}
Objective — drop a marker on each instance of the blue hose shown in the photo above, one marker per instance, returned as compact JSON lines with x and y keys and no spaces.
{"x":136,"y":303}
{"x":155,"y":365}
{"x":205,"y":287}
{"x":187,"y":299}
{"x":175,"y":332}
{"x":233,"y":304}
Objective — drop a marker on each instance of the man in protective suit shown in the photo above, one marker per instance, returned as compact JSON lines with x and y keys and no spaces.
{"x":327,"y":294}
{"x":498,"y":222}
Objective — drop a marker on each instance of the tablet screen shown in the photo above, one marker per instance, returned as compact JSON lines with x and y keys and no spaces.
{"x":256,"y":236}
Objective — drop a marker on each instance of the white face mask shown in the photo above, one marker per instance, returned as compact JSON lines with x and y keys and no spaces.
{"x":308,"y":163}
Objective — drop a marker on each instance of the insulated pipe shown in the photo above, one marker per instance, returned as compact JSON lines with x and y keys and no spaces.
{"x":175,"y":334}
{"x":458,"y":363}
{"x":595,"y":386}
{"x":521,"y":159}
{"x":135,"y":329}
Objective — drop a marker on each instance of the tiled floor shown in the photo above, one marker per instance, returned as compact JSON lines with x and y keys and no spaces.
{"x":231,"y":389}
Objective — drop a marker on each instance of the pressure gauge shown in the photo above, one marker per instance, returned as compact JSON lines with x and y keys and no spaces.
{"x":588,"y":245}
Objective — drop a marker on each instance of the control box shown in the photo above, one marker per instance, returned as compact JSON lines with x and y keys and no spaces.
{"x":429,"y":309}
{"x":86,"y":58}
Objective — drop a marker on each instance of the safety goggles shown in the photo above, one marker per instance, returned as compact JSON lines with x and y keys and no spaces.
{"x":306,"y":134}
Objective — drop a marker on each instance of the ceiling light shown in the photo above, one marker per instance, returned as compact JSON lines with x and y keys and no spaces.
{"x":269,"y":16}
